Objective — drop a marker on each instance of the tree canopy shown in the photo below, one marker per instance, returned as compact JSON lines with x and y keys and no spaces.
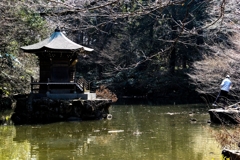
{"x":142,"y":47}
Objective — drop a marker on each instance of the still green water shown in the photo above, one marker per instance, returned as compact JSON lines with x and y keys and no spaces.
{"x":136,"y":132}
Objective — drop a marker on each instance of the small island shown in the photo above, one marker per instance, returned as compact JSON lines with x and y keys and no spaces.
{"x":58,"y":95}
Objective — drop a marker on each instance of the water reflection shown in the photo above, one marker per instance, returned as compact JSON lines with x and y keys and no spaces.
{"x":135,"y":132}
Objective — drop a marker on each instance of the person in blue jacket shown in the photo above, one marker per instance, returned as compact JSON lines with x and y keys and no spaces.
{"x":225,"y":86}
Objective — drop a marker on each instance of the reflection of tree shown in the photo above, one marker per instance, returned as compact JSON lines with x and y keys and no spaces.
{"x":10,"y":149}
{"x":165,"y":136}
{"x":62,"y":139}
{"x":166,"y":133}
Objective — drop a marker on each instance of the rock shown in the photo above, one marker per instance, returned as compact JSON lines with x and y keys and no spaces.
{"x":193,"y":119}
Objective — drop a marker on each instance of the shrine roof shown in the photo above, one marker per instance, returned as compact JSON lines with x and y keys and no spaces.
{"x":57,"y":41}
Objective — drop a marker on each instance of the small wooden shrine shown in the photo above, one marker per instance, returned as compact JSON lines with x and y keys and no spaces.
{"x":58,"y":95}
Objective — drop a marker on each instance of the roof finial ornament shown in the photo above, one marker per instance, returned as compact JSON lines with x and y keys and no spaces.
{"x":57,"y":29}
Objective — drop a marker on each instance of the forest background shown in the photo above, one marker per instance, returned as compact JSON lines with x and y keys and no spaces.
{"x":170,"y":50}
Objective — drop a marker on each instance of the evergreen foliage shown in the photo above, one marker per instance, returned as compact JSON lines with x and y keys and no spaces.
{"x":19,"y":26}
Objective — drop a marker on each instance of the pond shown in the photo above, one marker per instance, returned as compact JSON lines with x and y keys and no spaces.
{"x":145,"y":132}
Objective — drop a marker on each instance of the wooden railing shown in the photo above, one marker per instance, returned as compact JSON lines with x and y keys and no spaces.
{"x":81,"y":84}
{"x":84,"y":84}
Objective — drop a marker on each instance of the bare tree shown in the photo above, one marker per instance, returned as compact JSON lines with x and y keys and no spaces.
{"x":149,"y":38}
{"x":154,"y":36}
{"x":222,"y":41}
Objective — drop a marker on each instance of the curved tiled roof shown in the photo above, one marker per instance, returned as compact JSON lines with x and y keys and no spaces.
{"x":57,"y":41}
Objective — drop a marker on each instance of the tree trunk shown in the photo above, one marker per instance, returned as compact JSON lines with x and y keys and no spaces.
{"x":172,"y":61}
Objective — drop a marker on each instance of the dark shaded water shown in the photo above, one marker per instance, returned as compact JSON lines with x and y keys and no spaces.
{"x":135,"y":132}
